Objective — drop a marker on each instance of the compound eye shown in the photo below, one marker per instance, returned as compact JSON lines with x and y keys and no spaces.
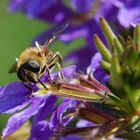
{"x":22,"y":74}
{"x":33,"y":66}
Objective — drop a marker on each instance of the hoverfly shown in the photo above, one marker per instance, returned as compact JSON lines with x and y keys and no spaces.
{"x":33,"y":62}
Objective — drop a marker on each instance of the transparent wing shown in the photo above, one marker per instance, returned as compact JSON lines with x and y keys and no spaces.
{"x":55,"y":35}
{"x":12,"y":69}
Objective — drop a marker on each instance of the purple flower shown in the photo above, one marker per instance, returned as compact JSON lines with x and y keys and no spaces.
{"x":81,"y":62}
{"x":136,"y":22}
{"x":83,"y":7}
{"x":13,"y":95}
{"x":16,"y":97}
{"x":17,"y":120}
{"x":56,"y":11}
{"x":49,"y":119}
{"x":25,"y":104}
{"x":83,"y":17}
{"x":83,"y":123}
{"x":96,"y":69}
{"x":50,"y":10}
{"x":55,"y":127}
{"x":128,"y":7}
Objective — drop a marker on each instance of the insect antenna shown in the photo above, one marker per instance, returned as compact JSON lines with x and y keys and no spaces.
{"x":55,"y":35}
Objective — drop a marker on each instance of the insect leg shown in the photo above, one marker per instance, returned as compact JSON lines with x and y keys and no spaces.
{"x":49,"y":75}
{"x":60,"y":68}
{"x":57,"y":56}
{"x":42,"y":84}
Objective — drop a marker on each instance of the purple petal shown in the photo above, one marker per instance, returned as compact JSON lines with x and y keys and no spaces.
{"x":16,"y":5}
{"x":107,"y":9}
{"x":41,"y":131}
{"x":86,"y":31}
{"x":34,"y":8}
{"x":101,"y":75}
{"x":53,"y":11}
{"x":72,"y":137}
{"x":73,"y":33}
{"x":81,"y":58}
{"x":131,"y":7}
{"x":13,"y":95}
{"x":126,"y":20}
{"x":46,"y":109}
{"x":84,"y":123}
{"x":69,"y":72}
{"x":136,"y":22}
{"x":97,"y":70}
{"x":20,"y":118}
{"x":40,"y":128}
{"x":57,"y":117}
{"x":18,"y":108}
{"x":57,"y":13}
{"x":82,"y":7}
{"x":93,"y":28}
{"x":95,"y":63}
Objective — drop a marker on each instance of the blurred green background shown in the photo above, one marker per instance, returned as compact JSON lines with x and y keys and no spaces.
{"x":16,"y":34}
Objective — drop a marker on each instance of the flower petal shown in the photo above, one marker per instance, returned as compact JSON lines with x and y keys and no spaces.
{"x":58,"y":118}
{"x":34,"y":8}
{"x":57,"y":13}
{"x":107,"y":9}
{"x":131,"y":7}
{"x":18,"y":108}
{"x":46,"y":109}
{"x":84,"y":123}
{"x":81,"y":57}
{"x":41,"y":131}
{"x":20,"y":118}
{"x":126,"y":20}
{"x":16,"y":5}
{"x":97,"y":70}
{"x":135,"y":22}
{"x":40,"y":128}
{"x":73,"y":33}
{"x":13,"y":95}
{"x":95,"y":63}
{"x":48,"y":129}
{"x":82,"y":7}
